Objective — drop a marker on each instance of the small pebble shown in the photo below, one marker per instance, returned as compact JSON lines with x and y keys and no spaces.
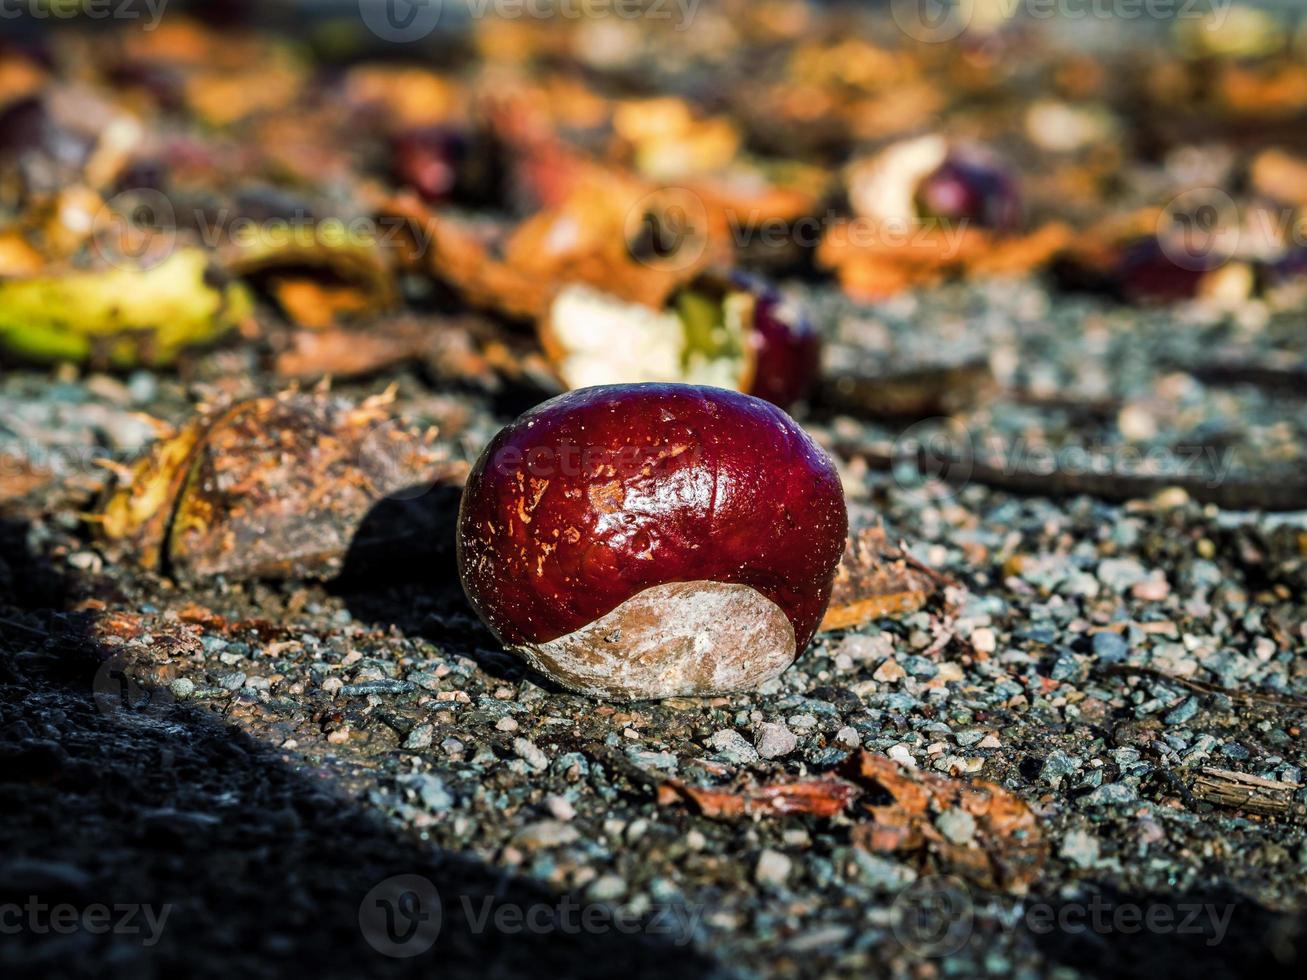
{"x":773,"y":868}
{"x":731,"y":745}
{"x":530,"y":753}
{"x":774,"y":740}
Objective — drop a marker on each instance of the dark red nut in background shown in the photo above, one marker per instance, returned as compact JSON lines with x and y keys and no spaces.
{"x":429,"y":160}
{"x":1147,"y":274}
{"x":729,"y":333}
{"x":970,"y":190}
{"x":787,"y":351}
{"x":446,"y":164}
{"x":653,"y":540}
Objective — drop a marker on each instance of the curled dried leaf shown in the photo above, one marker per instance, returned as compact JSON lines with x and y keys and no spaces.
{"x":452,"y":253}
{"x":876,"y":578}
{"x":872,"y":264}
{"x":630,"y":240}
{"x":315,"y":275}
{"x":1006,"y":851}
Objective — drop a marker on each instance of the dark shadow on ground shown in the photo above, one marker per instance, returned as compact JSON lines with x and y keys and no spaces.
{"x":1212,"y":934}
{"x":401,"y":570}
{"x":112,"y":797}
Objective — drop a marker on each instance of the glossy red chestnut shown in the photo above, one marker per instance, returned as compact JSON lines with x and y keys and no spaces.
{"x":653,"y":540}
{"x":731,"y":333}
{"x":971,"y":190}
{"x":787,"y":349}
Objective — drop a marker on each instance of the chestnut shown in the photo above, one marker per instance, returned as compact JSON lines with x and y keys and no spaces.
{"x":969,"y":190}
{"x":730,"y":333}
{"x":430,"y":160}
{"x":652,"y":540}
{"x":927,"y":179}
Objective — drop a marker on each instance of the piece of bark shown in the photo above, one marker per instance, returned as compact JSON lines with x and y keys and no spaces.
{"x":922,"y":392}
{"x":1274,"y":492}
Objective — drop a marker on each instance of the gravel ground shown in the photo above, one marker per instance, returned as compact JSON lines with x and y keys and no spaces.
{"x":249,"y":766}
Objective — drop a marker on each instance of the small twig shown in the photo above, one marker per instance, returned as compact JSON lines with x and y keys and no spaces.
{"x":1238,"y":789}
{"x":23,"y":628}
{"x":1245,"y":697}
{"x":1271,"y":493}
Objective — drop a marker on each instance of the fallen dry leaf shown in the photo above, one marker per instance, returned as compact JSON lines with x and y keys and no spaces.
{"x":815,"y":797}
{"x":875,"y":579}
{"x":1007,"y":850}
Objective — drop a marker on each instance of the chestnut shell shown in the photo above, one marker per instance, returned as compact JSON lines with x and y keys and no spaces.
{"x":787,"y":351}
{"x":601,"y":493}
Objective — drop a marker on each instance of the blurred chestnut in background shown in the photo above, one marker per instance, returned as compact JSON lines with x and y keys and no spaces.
{"x":970,"y":190}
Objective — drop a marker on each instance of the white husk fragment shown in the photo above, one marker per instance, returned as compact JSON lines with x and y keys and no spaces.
{"x":605,"y":340}
{"x":673,"y":640}
{"x":885,"y":187}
